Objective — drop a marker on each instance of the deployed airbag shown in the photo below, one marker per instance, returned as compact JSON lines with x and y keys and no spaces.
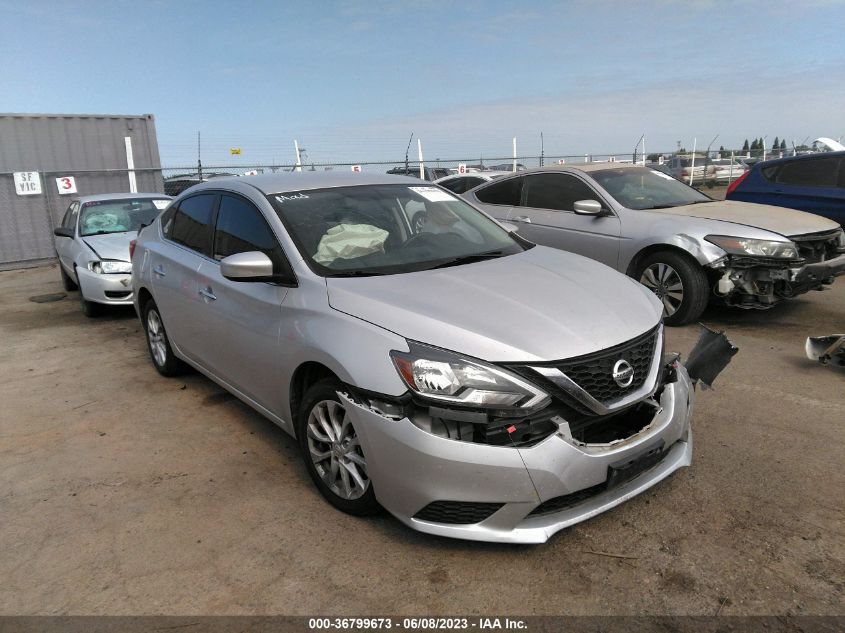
{"x":347,"y":241}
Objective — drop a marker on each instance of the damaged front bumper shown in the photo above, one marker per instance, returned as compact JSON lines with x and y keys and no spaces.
{"x":753,"y":282}
{"x":820,"y":271}
{"x":518,"y":494}
{"x":106,"y":288}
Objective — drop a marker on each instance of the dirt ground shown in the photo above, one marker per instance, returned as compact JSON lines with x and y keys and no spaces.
{"x":122,"y":492}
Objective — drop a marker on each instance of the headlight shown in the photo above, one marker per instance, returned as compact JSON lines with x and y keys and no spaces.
{"x":110,"y":266}
{"x":440,"y":375}
{"x":840,"y":242}
{"x":749,"y":246}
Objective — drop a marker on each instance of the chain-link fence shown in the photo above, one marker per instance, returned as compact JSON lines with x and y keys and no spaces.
{"x":27,"y":221}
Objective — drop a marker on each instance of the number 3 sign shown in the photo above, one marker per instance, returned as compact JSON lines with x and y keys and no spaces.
{"x":66,"y":184}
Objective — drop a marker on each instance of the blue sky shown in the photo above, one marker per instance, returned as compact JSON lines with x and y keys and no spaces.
{"x":352,"y":80}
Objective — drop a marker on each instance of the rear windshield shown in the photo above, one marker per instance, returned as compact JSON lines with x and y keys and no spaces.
{"x":119,"y":216}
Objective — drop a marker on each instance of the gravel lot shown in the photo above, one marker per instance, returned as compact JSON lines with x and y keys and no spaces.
{"x":122,"y":492}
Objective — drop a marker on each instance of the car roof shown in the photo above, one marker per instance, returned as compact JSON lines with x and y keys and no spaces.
{"x":100,"y":197}
{"x":813,"y":156}
{"x":585,"y":167}
{"x":486,"y":175}
{"x":307,"y":180}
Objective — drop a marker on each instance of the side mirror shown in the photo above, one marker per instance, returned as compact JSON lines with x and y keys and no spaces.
{"x":510,"y":228}
{"x":250,"y":266}
{"x":587,"y":207}
{"x":63,"y":232}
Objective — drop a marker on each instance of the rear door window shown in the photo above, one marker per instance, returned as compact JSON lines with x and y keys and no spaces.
{"x":504,"y":192}
{"x":190,"y":223}
{"x":556,"y":191}
{"x":817,"y":172}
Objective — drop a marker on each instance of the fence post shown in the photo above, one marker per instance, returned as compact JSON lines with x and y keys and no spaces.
{"x":731,"y":172}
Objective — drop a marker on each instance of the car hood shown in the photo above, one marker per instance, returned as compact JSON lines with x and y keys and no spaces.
{"x":776,"y":219}
{"x":539,"y":305}
{"x":111,"y":246}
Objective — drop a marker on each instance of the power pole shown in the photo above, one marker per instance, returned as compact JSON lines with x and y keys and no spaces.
{"x":542,"y":149}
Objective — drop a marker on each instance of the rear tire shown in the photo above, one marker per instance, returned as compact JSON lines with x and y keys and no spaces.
{"x":158,"y":344}
{"x":332,"y":452}
{"x":679,"y":282}
{"x":67,"y":283}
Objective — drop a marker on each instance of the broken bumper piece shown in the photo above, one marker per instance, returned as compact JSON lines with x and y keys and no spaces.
{"x":517,"y":495}
{"x":711,"y":354}
{"x":826,"y":349}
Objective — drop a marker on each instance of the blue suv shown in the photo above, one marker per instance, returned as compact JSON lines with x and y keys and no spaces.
{"x":813,"y":182}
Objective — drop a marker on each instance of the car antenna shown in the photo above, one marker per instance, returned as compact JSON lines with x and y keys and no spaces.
{"x":408,"y":149}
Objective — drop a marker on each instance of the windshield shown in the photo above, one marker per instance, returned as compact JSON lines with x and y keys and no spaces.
{"x":118,"y":216}
{"x":644,"y":188}
{"x":386,"y":229}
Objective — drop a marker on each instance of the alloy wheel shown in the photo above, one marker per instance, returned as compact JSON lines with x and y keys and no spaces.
{"x":335,"y":450}
{"x":664,"y":281}
{"x":155,"y":333}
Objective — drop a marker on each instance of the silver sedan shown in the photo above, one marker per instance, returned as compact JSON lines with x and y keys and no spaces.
{"x":684,"y":246}
{"x":92,"y":245}
{"x":464,"y":379}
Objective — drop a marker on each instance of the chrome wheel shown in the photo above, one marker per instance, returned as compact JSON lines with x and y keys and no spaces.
{"x":335,"y":450}
{"x":156,"y":336}
{"x":664,"y":281}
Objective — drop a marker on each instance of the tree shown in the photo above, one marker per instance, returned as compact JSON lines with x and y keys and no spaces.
{"x":783,"y":143}
{"x":745,"y":146}
{"x":754,"y":145}
{"x":776,"y":144}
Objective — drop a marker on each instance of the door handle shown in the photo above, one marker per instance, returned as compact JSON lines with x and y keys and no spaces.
{"x":158,"y":271}
{"x":207,"y":294}
{"x":522,"y":218}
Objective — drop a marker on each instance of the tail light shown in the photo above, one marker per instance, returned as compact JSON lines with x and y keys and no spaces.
{"x":684,"y":174}
{"x":132,"y":248}
{"x":732,"y":187}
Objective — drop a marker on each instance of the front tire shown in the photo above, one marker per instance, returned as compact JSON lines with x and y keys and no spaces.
{"x":332,"y":452}
{"x":158,"y":344}
{"x":678,"y":282}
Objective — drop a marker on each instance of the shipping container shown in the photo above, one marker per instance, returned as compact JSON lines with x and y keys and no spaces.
{"x":89,"y":153}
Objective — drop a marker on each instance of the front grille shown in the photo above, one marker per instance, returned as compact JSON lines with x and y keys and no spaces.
{"x":594,"y":372}
{"x":118,"y":294}
{"x":816,"y":247}
{"x":457,"y":512}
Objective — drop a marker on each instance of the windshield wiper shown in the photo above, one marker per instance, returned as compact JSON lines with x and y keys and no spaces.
{"x":675,"y":204}
{"x":355,"y":273}
{"x":468,"y":259}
